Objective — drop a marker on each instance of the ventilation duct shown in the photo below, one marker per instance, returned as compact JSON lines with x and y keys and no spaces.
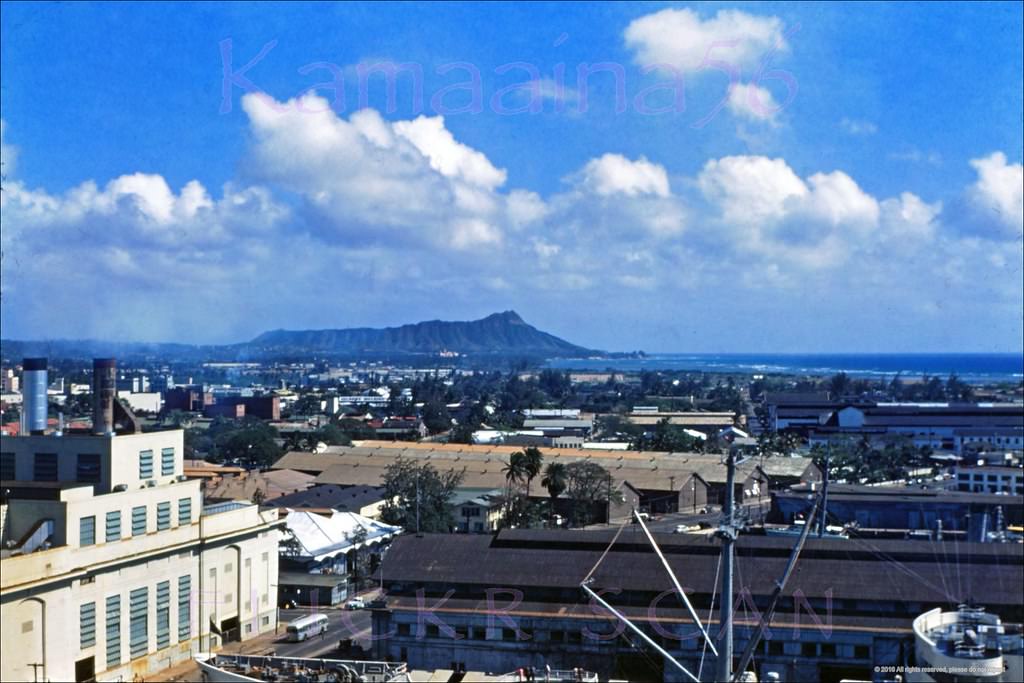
{"x":33,"y":394}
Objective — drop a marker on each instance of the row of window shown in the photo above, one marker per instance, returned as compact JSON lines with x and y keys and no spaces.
{"x":87,"y":466}
{"x":138,"y":620}
{"x":573,"y":637}
{"x":991,"y":488}
{"x":991,"y":477}
{"x":999,"y":440}
{"x":112,"y":527}
{"x":146,"y":463}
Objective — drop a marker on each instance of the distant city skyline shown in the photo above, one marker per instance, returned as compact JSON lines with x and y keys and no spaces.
{"x":204,"y":173}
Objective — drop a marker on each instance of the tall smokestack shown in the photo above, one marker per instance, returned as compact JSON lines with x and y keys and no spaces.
{"x":33,"y":394}
{"x":104,"y":390}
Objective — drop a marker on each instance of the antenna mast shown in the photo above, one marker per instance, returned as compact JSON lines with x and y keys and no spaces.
{"x":727,"y":532}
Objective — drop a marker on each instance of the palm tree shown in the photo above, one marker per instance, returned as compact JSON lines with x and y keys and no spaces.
{"x":555,"y":481}
{"x":532,"y":462}
{"x":515,"y":471}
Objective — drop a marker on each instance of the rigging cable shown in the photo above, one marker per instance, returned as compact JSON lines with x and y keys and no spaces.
{"x":606,"y":551}
{"x":711,"y":613}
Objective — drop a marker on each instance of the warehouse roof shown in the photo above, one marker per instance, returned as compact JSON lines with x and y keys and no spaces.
{"x":855,"y":569}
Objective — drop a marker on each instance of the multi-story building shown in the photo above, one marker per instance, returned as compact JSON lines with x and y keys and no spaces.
{"x":477,"y":512}
{"x":111,"y":566}
{"x":513,"y":600}
{"x":990,"y":479}
{"x":940,"y":426}
{"x":9,"y":381}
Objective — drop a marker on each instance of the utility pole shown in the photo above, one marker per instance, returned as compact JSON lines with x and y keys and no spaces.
{"x":608,"y":501}
{"x":727,"y":532}
{"x":824,"y":490}
{"x":417,"y":502}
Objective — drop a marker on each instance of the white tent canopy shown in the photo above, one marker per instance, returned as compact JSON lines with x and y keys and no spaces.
{"x":321,"y":536}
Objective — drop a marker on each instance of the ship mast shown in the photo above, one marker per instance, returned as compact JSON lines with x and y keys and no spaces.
{"x":728,"y":531}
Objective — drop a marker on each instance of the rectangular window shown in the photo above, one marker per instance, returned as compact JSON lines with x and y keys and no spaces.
{"x":45,"y":467}
{"x":163,"y":516}
{"x":184,"y":511}
{"x":167,"y":462}
{"x":7,"y":471}
{"x":138,"y":642}
{"x":87,"y":530}
{"x":163,"y":614}
{"x":113,"y":526}
{"x":145,"y":464}
{"x":87,"y":625}
{"x":113,"y":631}
{"x":87,"y":469}
{"x":139,"y":521}
{"x":184,"y":612}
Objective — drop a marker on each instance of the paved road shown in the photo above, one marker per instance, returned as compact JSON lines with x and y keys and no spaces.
{"x":353,"y":624}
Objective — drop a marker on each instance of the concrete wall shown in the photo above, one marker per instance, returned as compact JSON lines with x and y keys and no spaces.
{"x":119,"y":456}
{"x":489,"y":646}
{"x":230,"y":557}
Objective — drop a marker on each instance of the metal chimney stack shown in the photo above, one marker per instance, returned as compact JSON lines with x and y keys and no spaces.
{"x":33,"y":394}
{"x":104,"y":391}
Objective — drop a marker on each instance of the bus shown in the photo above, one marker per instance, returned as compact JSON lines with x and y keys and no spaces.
{"x":307,"y":627}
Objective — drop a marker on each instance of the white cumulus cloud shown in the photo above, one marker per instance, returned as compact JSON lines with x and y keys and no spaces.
{"x":752,"y":102}
{"x":681,"y":39}
{"x":1000,"y":190}
{"x":615,"y":174}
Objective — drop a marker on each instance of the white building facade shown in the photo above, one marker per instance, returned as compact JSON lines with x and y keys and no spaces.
{"x":111,"y":566}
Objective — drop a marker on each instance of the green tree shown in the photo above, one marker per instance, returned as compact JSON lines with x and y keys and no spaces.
{"x":839,"y":385}
{"x":462,"y":433}
{"x":533,"y":460}
{"x":418,"y":492}
{"x":249,"y":439}
{"x":308,"y":404}
{"x":555,"y":480}
{"x":515,"y":473}
{"x":435,"y":416}
{"x":958,"y":390}
{"x":178,"y":419}
{"x":332,"y":435}
{"x":587,"y":483}
{"x":666,"y":437}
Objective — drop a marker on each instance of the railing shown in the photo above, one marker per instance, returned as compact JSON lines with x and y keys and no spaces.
{"x":371,"y":671}
{"x":228,"y":506}
{"x":552,"y":675}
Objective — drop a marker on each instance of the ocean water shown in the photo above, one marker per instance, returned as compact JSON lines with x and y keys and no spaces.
{"x":970,"y":367}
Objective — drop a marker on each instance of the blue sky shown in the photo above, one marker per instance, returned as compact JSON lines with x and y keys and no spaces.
{"x":858,"y":189}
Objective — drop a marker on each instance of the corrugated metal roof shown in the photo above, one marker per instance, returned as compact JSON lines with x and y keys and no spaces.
{"x":855,"y":569}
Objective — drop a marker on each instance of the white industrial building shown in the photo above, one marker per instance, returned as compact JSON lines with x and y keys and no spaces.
{"x":111,"y":567}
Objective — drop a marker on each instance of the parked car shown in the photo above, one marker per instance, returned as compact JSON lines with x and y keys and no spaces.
{"x":378,"y":603}
{"x":355,"y":603}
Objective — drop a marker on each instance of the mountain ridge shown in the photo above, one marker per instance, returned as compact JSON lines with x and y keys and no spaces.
{"x":502,"y":333}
